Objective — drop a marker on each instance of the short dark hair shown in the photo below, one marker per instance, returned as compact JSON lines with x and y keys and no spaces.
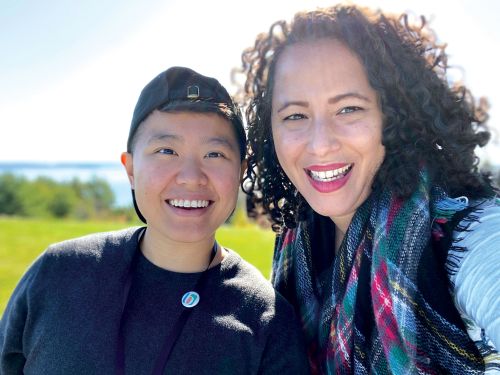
{"x":180,"y":89}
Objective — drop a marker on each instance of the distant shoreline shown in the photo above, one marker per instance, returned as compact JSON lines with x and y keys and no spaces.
{"x":58,"y":164}
{"x":112,"y":172}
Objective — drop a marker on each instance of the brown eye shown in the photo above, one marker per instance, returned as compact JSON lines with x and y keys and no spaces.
{"x":166,"y":151}
{"x":215,"y":154}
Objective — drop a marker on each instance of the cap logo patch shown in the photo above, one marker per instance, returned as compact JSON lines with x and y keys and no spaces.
{"x":193,"y":92}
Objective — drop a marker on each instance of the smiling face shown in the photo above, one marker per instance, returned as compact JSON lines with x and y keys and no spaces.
{"x":327,"y":127}
{"x":185,"y":169}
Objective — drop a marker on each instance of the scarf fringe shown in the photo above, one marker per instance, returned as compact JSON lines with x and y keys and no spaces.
{"x":398,"y":328}
{"x":447,"y":208}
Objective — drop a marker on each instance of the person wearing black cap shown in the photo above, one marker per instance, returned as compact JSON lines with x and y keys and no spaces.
{"x":166,"y":297}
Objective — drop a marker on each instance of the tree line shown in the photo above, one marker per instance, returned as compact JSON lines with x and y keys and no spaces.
{"x":93,"y":199}
{"x":45,"y":197}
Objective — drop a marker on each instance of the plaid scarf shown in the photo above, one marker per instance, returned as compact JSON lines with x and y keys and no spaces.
{"x":387,"y":308}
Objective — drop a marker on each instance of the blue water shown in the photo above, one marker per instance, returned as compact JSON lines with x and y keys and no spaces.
{"x":113,"y":173}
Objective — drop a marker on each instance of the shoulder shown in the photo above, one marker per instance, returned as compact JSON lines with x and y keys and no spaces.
{"x":474,"y":255}
{"x":251,"y":286}
{"x":93,"y":244}
{"x":100,"y":250}
{"x":89,"y":262}
{"x":242,"y":275}
{"x":480,"y":228}
{"x":476,"y":238}
{"x":249,"y":305}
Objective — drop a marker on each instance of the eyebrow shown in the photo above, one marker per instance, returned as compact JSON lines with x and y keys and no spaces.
{"x":332,"y":100}
{"x":340,"y":97}
{"x":163,"y":136}
{"x":221,"y":141}
{"x":288,"y":104}
{"x":216,"y":140}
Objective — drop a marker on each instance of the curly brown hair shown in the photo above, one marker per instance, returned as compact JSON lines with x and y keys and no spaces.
{"x":428,"y":121}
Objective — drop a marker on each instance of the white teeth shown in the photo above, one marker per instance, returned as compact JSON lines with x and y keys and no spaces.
{"x":188,"y":204}
{"x":331,"y":175}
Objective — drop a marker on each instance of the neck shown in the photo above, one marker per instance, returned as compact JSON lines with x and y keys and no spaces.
{"x":184,"y":257}
{"x":341,"y":226}
{"x":339,"y":237}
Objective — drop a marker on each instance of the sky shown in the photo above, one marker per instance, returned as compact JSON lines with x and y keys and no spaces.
{"x":71,"y":71}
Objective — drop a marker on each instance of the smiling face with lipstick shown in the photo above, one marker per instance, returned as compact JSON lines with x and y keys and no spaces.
{"x":361,"y":154}
{"x":327,"y":127}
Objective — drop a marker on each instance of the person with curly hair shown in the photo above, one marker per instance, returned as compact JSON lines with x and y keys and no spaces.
{"x":362,"y":154}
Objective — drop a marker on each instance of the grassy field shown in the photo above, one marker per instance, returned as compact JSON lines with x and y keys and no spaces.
{"x":22,"y":240}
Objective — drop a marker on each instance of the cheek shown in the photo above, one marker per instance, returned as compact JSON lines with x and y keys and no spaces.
{"x":151,"y":176}
{"x":369,"y":145}
{"x":375,"y":158}
{"x":227,"y":180}
{"x":287,"y":145}
{"x":377,"y":149}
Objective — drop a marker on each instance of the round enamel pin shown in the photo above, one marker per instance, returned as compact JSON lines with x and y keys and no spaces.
{"x":190,"y":299}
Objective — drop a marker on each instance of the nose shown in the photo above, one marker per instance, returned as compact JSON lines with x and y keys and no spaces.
{"x":191,"y":173}
{"x":322,"y":137}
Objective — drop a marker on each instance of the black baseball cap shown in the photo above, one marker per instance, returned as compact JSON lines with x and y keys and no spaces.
{"x":180,"y":89}
{"x":183,"y":89}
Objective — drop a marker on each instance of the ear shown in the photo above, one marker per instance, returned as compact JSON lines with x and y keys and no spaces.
{"x":128,"y":162}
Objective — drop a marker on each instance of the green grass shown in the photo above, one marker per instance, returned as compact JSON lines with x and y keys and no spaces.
{"x":253,"y":244}
{"x":22,"y":240}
